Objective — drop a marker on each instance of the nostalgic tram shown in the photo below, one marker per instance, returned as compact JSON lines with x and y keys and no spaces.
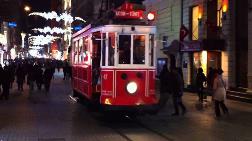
{"x":113,"y":65}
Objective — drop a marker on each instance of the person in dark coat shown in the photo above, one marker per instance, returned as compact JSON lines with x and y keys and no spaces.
{"x":48,"y":74}
{"x":20,"y":77}
{"x":31,"y":76}
{"x":200,"y":80}
{"x":6,"y":83}
{"x":177,"y":86}
{"x":164,"y":78}
{"x":38,"y":76}
{"x":1,"y":77}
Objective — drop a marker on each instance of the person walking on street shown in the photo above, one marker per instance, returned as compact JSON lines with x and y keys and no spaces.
{"x":1,"y":77}
{"x":6,"y":83}
{"x":177,"y":87}
{"x":200,"y":80}
{"x":164,"y":78}
{"x":47,"y":78}
{"x":20,"y":77}
{"x":219,"y":95}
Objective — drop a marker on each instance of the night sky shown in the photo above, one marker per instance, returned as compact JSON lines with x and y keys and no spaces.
{"x":39,"y":5}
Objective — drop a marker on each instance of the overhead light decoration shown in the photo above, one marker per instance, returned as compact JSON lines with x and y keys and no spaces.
{"x":41,"y":40}
{"x":47,"y":29}
{"x":36,"y":47}
{"x":53,"y":15}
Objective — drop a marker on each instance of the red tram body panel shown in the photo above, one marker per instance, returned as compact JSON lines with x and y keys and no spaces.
{"x":115,"y":63}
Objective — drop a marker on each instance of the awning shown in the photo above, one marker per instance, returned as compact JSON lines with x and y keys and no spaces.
{"x":173,"y":48}
{"x":191,"y":46}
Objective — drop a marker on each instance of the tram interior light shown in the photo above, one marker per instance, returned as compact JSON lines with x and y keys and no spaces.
{"x":131,"y":87}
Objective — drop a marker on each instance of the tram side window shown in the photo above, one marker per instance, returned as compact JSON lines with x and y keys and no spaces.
{"x":103,"y":49}
{"x":76,"y":53}
{"x":111,"y":49}
{"x":124,"y":49}
{"x":81,"y":58}
{"x":85,"y":47}
{"x":151,"y":50}
{"x":139,"y":49}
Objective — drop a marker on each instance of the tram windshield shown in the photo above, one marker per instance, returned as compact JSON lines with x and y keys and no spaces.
{"x":126,"y":50}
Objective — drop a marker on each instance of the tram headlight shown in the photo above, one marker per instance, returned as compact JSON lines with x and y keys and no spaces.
{"x":131,"y":87}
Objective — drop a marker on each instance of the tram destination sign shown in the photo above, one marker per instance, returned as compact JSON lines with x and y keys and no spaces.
{"x":123,"y":14}
{"x":127,"y":11}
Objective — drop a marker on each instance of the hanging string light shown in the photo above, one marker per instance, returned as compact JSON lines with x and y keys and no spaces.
{"x":41,"y":40}
{"x":53,"y":15}
{"x":47,"y":29}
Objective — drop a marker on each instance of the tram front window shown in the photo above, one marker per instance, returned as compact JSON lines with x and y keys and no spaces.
{"x":139,"y":49}
{"x":124,"y":49}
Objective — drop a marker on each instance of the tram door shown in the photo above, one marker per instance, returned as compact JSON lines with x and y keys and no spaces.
{"x":96,"y":59}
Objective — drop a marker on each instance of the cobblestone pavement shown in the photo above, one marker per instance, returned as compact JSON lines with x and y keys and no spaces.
{"x":35,"y":116}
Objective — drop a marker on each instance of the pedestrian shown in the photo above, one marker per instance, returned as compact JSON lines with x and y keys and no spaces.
{"x":38,"y":76}
{"x":164,"y":78}
{"x":48,"y":74}
{"x":20,"y":77}
{"x":6,"y":83}
{"x":177,"y":86}
{"x":200,"y":81}
{"x":31,"y":76}
{"x":219,"y":95}
{"x":1,"y":77}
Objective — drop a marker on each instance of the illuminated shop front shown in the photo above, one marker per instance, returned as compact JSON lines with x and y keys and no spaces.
{"x":198,"y":54}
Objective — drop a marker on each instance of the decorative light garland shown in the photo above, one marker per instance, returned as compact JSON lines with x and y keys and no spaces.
{"x":47,"y":29}
{"x":53,"y":15}
{"x":41,"y":40}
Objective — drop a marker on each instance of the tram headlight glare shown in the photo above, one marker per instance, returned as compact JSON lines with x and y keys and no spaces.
{"x":132,"y":87}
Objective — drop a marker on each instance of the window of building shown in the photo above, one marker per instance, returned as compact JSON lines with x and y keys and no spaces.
{"x":195,"y":23}
{"x":165,"y":41}
{"x":219,"y":13}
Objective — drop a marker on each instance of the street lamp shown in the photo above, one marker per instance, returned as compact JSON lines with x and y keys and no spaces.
{"x":27,"y":8}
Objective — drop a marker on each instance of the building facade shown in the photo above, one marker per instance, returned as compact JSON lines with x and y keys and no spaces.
{"x":218,"y":33}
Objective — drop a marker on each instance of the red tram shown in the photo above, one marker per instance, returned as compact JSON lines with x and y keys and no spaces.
{"x":113,"y":65}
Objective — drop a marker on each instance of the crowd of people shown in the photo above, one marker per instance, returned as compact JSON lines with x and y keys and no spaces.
{"x":172,"y":83}
{"x":31,"y":71}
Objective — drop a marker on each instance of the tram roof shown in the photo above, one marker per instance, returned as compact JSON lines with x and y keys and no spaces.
{"x":117,"y":28}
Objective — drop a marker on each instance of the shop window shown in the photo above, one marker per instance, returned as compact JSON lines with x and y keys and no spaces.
{"x":195,"y":23}
{"x":139,"y":49}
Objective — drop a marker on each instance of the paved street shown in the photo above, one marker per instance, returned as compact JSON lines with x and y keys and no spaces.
{"x":35,"y":116}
